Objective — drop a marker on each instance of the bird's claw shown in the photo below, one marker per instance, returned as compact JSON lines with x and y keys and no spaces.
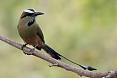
{"x":29,"y":52}
{"x":24,"y":45}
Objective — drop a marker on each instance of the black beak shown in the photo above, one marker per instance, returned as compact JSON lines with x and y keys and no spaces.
{"x":38,"y":13}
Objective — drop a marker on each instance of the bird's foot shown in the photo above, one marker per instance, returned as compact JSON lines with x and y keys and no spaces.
{"x":29,"y":52}
{"x":24,"y":45}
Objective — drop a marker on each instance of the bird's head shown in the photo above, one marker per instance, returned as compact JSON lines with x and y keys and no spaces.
{"x":28,"y":16}
{"x":30,"y":13}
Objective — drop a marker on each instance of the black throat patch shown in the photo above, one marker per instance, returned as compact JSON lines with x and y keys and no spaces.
{"x":30,"y":22}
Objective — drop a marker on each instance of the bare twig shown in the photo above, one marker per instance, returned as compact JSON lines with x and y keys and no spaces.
{"x":108,"y":74}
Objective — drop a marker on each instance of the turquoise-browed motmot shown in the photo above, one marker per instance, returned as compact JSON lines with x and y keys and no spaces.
{"x":31,"y":34}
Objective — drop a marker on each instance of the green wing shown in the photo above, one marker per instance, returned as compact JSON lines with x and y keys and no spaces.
{"x":40,"y":33}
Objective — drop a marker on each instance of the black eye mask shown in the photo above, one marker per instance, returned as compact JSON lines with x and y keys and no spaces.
{"x":27,"y":14}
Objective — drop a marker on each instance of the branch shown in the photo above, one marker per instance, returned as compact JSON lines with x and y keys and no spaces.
{"x":108,"y":74}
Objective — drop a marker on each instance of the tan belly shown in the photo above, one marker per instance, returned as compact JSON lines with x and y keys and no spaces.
{"x":36,"y":40}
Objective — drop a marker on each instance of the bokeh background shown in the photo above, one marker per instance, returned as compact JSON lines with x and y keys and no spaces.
{"x":84,"y":31}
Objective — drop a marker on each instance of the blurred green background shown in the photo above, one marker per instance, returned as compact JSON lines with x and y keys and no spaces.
{"x":84,"y":31}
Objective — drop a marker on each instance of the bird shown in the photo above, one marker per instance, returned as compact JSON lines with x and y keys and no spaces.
{"x":31,"y":34}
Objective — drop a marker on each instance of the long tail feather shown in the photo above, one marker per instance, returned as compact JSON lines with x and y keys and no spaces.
{"x":52,"y":52}
{"x":58,"y":56}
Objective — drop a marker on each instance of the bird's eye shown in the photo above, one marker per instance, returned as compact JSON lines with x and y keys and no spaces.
{"x":29,"y":14}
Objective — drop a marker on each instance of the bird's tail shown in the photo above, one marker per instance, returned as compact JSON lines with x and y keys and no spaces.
{"x":58,"y":56}
{"x":52,"y":52}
